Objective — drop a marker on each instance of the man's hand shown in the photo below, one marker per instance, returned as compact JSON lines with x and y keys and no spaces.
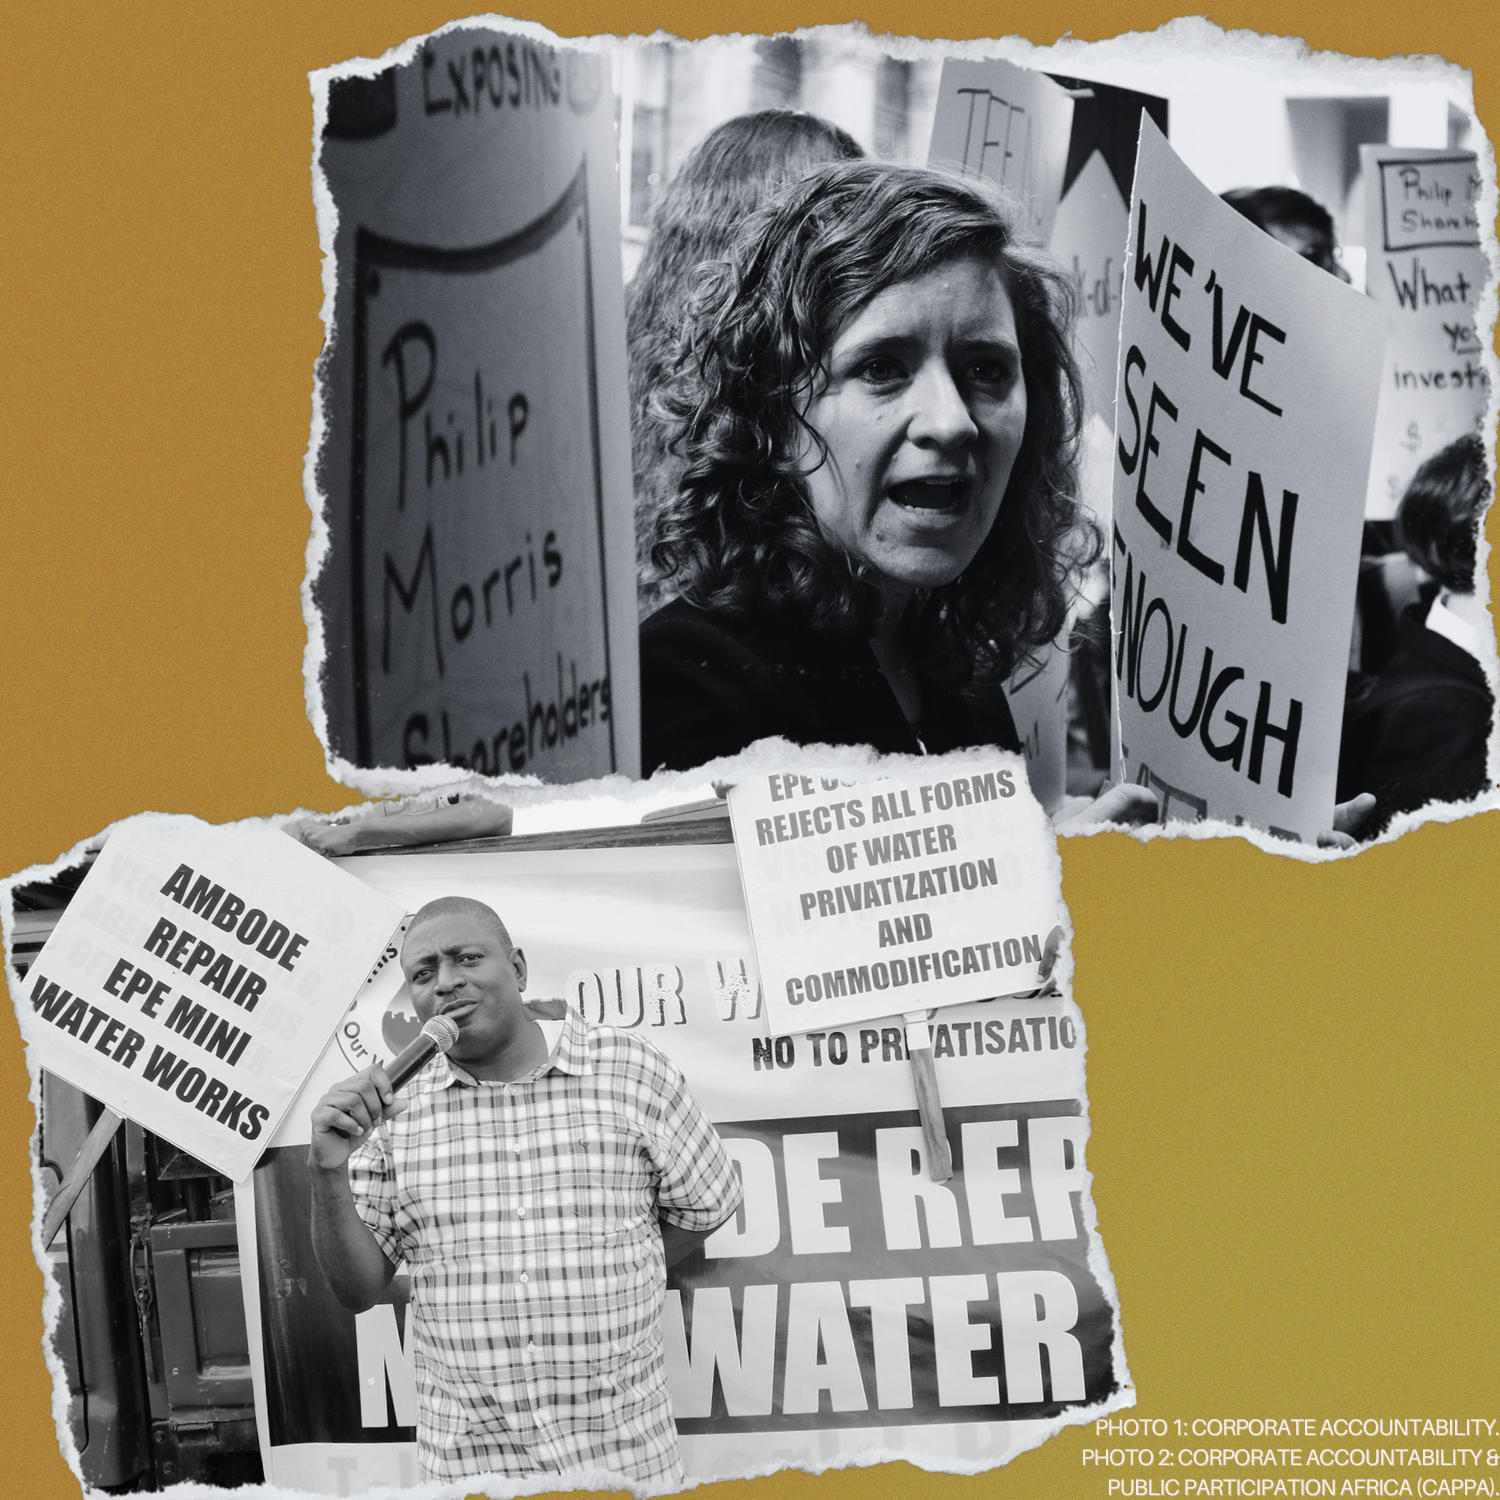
{"x":346,"y":1114}
{"x":356,"y":1268}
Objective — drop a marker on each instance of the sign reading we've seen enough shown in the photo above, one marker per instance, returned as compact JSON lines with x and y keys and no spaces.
{"x":1244,"y":414}
{"x":479,"y":598}
{"x":874,"y":898}
{"x":195,"y":977}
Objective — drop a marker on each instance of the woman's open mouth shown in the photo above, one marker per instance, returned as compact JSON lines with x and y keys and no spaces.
{"x":940,"y":495}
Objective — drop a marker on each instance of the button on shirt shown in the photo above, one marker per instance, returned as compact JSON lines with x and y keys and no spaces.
{"x":526,"y":1214}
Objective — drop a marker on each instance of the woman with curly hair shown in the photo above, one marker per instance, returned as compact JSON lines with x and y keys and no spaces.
{"x":728,"y":175}
{"x":877,"y":410}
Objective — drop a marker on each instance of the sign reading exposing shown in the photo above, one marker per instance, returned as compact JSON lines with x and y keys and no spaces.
{"x":196,"y":975}
{"x":879,"y":897}
{"x":479,"y":598}
{"x":1009,"y":124}
{"x":1244,"y":413}
{"x":1426,"y":268}
{"x":852,"y":1304}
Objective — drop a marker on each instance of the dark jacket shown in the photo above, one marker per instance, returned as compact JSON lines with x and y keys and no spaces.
{"x":712,"y":685}
{"x":1419,"y":732}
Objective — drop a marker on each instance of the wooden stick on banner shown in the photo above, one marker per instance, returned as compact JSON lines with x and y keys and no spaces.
{"x":929,"y":1104}
{"x":924,"y":1070}
{"x":77,"y":1179}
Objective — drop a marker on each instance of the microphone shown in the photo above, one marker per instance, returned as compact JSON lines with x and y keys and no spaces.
{"x":438,"y":1035}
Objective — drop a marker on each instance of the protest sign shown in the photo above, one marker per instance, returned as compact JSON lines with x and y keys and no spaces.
{"x":1037,"y":695}
{"x":1008,"y":124}
{"x":1425,"y":267}
{"x":196,"y":975}
{"x":872,"y":898}
{"x":852,"y":1304}
{"x":1245,"y":406}
{"x":479,"y":596}
{"x":1092,"y":224}
{"x":1088,"y":238}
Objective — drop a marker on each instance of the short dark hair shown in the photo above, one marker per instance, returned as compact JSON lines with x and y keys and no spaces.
{"x":461,"y":906}
{"x":1437,"y":522}
{"x":1275,"y":207}
{"x":739,"y":535}
{"x":732,"y":171}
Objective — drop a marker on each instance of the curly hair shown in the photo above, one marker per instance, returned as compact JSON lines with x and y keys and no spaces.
{"x":740,"y":536}
{"x":1438,"y":520}
{"x":732,"y":171}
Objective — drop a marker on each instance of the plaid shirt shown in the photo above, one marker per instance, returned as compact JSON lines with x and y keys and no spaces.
{"x":526,"y":1214}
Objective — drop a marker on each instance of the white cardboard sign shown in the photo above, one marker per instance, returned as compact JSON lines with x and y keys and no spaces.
{"x":1244,"y":414}
{"x":1426,"y":268}
{"x":1008,"y":124}
{"x":873,"y":898}
{"x":196,"y":976}
{"x":479,"y":593}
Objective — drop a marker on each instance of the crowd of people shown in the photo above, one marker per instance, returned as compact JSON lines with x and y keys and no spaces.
{"x":839,"y":369}
{"x":856,"y":419}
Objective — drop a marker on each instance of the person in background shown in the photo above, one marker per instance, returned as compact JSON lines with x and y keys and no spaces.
{"x":1419,"y":732}
{"x":729,"y":174}
{"x":1301,"y":223}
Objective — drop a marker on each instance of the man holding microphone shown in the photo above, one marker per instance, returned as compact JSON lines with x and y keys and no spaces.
{"x":520,"y":1178}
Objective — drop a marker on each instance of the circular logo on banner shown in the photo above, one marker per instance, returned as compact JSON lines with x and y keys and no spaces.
{"x":381,"y":1021}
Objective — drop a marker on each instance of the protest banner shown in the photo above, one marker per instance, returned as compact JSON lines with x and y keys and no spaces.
{"x":852,"y":1305}
{"x":1037,"y":696}
{"x":1245,"y":406}
{"x":478,"y":599}
{"x":868,"y":898}
{"x":196,"y":975}
{"x":1092,"y":223}
{"x":1088,"y":238}
{"x":1008,"y":124}
{"x":1426,"y":268}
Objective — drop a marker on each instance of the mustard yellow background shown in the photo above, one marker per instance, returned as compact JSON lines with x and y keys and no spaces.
{"x":1291,"y":1068}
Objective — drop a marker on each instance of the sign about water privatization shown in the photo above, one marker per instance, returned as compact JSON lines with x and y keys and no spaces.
{"x":1244,"y":416}
{"x":195,"y":977}
{"x":478,"y":596}
{"x":852,"y":1306}
{"x":1008,"y":124}
{"x":1426,"y":268}
{"x":880,"y":897}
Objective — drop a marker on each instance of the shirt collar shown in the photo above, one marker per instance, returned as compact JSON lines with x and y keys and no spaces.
{"x":1442,"y":621}
{"x":570,"y":1054}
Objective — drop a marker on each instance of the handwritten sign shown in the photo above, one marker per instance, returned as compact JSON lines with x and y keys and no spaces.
{"x":1427,"y":270}
{"x":479,"y":595}
{"x":1245,"y":406}
{"x":196,"y":976}
{"x":1037,"y":694}
{"x":1008,"y":124}
{"x":880,"y":897}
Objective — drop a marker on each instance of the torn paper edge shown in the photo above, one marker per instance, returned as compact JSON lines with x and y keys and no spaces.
{"x":612,"y":802}
{"x":1178,"y":41}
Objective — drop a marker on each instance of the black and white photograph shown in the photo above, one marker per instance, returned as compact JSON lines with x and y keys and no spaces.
{"x":720,"y":449}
